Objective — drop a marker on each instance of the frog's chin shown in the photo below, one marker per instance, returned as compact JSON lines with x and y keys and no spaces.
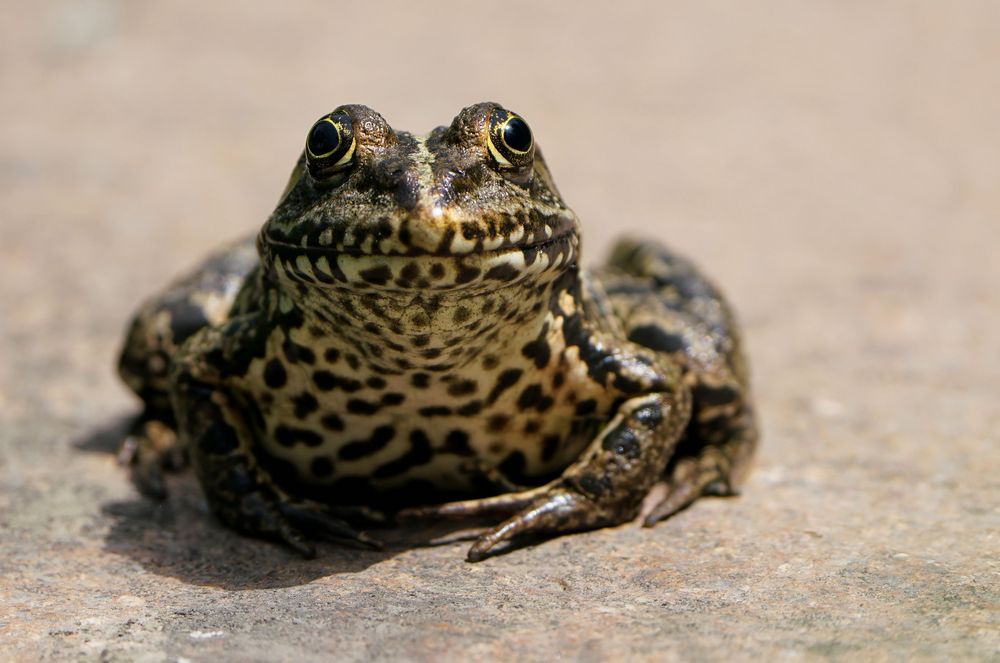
{"x":487,"y":270}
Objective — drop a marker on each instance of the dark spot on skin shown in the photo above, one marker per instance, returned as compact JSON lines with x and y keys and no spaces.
{"x":420,"y":341}
{"x":419,"y":453}
{"x":622,"y":441}
{"x":316,"y":331}
{"x":532,"y":426}
{"x":431,"y":353}
{"x":656,"y":338}
{"x":327,"y":381}
{"x":502,"y":272}
{"x":583,"y":408}
{"x":513,"y":466}
{"x":305,"y":404}
{"x":372,"y":328}
{"x":356,"y":449}
{"x":274,"y":374}
{"x":558,"y":380}
{"x":392,"y":398}
{"x":505,"y":381}
{"x":490,"y":362}
{"x":437,"y":271}
{"x":420,"y":380}
{"x":410,"y":271}
{"x":457,"y":442}
{"x":353,"y":361}
{"x":404,"y":235}
{"x":497,"y":422}
{"x":472,"y":231}
{"x":647,"y":415}
{"x":434,"y":411}
{"x":593,"y":485}
{"x":332,"y":422}
{"x":533,"y":397}
{"x":538,"y":350}
{"x":361,"y":406}
{"x":466,"y":274}
{"x":461,"y":314}
{"x":378,"y":275}
{"x":471,"y":409}
{"x":550,"y":445}
{"x":321,"y":467}
{"x":375,"y":382}
{"x":462,"y":387}
{"x":295,"y":353}
{"x":288,"y":436}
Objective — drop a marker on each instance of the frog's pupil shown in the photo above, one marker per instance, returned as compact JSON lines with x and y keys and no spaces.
{"x":324,"y":138}
{"x":517,"y":135}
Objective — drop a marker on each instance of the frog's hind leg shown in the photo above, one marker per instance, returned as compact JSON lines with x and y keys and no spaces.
{"x":203,"y":297}
{"x":666,"y":304}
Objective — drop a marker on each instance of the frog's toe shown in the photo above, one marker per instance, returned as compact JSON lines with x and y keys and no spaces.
{"x":499,"y":505}
{"x":689,"y":480}
{"x":558,"y":511}
{"x":320,"y":523}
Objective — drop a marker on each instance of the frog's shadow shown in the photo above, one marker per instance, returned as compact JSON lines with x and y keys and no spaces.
{"x":179,"y":538}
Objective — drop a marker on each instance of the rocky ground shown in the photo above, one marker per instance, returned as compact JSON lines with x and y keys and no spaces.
{"x":833,"y":165}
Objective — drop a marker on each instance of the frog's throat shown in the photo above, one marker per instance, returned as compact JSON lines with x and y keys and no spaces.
{"x":483,"y":271}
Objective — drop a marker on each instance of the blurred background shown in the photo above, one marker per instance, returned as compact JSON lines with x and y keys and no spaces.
{"x":834,"y":165}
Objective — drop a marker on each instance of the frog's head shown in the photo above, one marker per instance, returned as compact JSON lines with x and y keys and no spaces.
{"x":468,"y":205}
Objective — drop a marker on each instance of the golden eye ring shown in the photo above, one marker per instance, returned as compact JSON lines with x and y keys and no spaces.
{"x":330,"y":145}
{"x":509,"y":140}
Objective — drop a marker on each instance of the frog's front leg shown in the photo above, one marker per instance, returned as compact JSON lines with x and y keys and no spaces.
{"x":607,"y":484}
{"x":211,"y":416}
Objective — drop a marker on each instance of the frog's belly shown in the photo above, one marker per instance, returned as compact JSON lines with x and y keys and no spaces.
{"x":395,"y":447}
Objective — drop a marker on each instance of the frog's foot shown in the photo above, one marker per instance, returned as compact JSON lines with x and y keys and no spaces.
{"x":297,"y":523}
{"x":604,"y":488}
{"x":718,"y":469}
{"x":690,"y":479}
{"x":499,"y":505}
{"x":556,"y":508}
{"x":150,"y":448}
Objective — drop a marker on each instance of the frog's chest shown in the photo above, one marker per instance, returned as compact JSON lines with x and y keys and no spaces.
{"x":325,"y":419}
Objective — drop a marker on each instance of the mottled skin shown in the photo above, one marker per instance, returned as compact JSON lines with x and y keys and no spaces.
{"x":417,"y":328}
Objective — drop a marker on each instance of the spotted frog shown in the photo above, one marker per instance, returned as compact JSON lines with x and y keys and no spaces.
{"x":411,"y":332}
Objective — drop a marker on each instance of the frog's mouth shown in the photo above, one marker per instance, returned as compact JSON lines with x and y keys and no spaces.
{"x":326,"y":267}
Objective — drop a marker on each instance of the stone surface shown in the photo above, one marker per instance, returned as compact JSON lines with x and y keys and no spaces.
{"x":834,"y":165}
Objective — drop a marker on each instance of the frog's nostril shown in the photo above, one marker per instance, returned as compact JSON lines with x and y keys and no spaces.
{"x":408,"y":193}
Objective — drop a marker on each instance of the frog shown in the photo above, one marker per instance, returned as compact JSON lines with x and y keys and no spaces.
{"x":411,"y":335}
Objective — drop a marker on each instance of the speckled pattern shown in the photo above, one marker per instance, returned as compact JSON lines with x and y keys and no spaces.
{"x":833,"y":164}
{"x":417,"y":326}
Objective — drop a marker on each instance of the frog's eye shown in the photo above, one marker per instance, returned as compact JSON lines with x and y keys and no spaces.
{"x":509,"y":140}
{"x":330,"y":146}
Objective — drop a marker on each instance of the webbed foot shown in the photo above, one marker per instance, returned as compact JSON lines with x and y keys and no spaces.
{"x":557,"y":508}
{"x":296,"y":523}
